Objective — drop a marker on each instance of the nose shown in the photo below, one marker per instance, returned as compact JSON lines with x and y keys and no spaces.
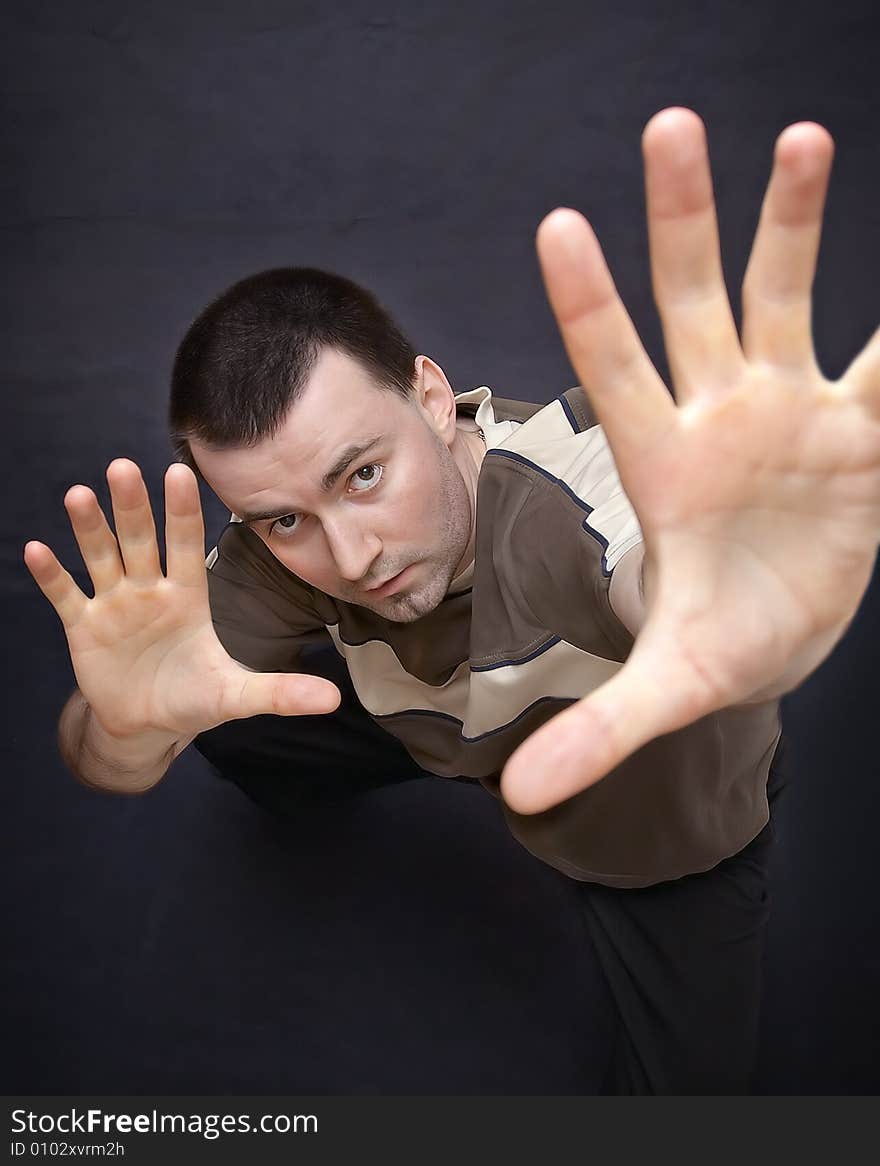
{"x":354,"y":548}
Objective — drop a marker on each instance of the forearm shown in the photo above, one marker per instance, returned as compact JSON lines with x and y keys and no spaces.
{"x":129,"y":765}
{"x":627,"y":589}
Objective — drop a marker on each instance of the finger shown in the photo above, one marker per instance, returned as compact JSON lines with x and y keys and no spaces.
{"x":95,"y":539}
{"x":252,"y":694}
{"x":698,"y":325}
{"x":133,"y":516}
{"x":581,"y":745}
{"x":55,"y":583}
{"x":184,"y":528}
{"x":777,"y":324}
{"x":863,"y":375}
{"x":628,"y":397}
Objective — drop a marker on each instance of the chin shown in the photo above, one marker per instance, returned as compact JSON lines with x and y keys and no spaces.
{"x":405,"y":608}
{"x":409,"y":606}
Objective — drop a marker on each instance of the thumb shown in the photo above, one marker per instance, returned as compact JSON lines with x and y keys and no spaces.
{"x":251,"y":694}
{"x":582,"y":744}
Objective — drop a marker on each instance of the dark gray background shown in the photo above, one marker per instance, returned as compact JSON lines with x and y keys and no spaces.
{"x":154,"y":154}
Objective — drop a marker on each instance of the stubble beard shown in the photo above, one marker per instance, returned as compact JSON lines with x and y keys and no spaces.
{"x":440,"y":567}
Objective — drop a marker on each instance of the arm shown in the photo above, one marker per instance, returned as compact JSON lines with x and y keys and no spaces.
{"x":99,"y":760}
{"x":626,"y":592}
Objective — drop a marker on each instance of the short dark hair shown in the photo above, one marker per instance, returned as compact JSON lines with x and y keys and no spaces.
{"x":246,"y":358}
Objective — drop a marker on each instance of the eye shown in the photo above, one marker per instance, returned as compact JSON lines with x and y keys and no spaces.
{"x":366,"y":478}
{"x":278,"y":526}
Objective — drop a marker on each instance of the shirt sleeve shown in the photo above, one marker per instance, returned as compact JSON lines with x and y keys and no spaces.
{"x":263,"y":614}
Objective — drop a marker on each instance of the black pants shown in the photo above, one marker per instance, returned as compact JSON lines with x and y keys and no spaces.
{"x":682,"y":960}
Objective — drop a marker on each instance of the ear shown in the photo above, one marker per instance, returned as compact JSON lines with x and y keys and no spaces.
{"x":435,"y":398}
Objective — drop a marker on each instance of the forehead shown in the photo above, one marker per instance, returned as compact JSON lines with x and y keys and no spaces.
{"x":340,"y":406}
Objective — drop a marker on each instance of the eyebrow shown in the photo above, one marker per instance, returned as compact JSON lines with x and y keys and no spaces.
{"x":350,"y":454}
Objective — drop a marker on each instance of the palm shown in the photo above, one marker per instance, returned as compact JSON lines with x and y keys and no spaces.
{"x":766,"y":493}
{"x":150,"y":657}
{"x":757,"y":488}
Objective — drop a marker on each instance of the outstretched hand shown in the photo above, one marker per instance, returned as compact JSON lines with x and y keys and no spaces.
{"x":143,"y":648}
{"x":757,"y":488}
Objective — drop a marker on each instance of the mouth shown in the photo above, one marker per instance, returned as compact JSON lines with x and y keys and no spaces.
{"x":391,"y":585}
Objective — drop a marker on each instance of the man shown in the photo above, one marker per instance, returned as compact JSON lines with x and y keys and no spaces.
{"x":721,"y":554}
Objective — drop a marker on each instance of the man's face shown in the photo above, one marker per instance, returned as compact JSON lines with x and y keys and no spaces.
{"x":358,"y":493}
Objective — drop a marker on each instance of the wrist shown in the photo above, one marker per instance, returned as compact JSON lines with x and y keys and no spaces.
{"x":136,"y":761}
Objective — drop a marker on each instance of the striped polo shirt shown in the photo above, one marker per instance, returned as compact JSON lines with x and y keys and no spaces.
{"x":526,"y":630}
